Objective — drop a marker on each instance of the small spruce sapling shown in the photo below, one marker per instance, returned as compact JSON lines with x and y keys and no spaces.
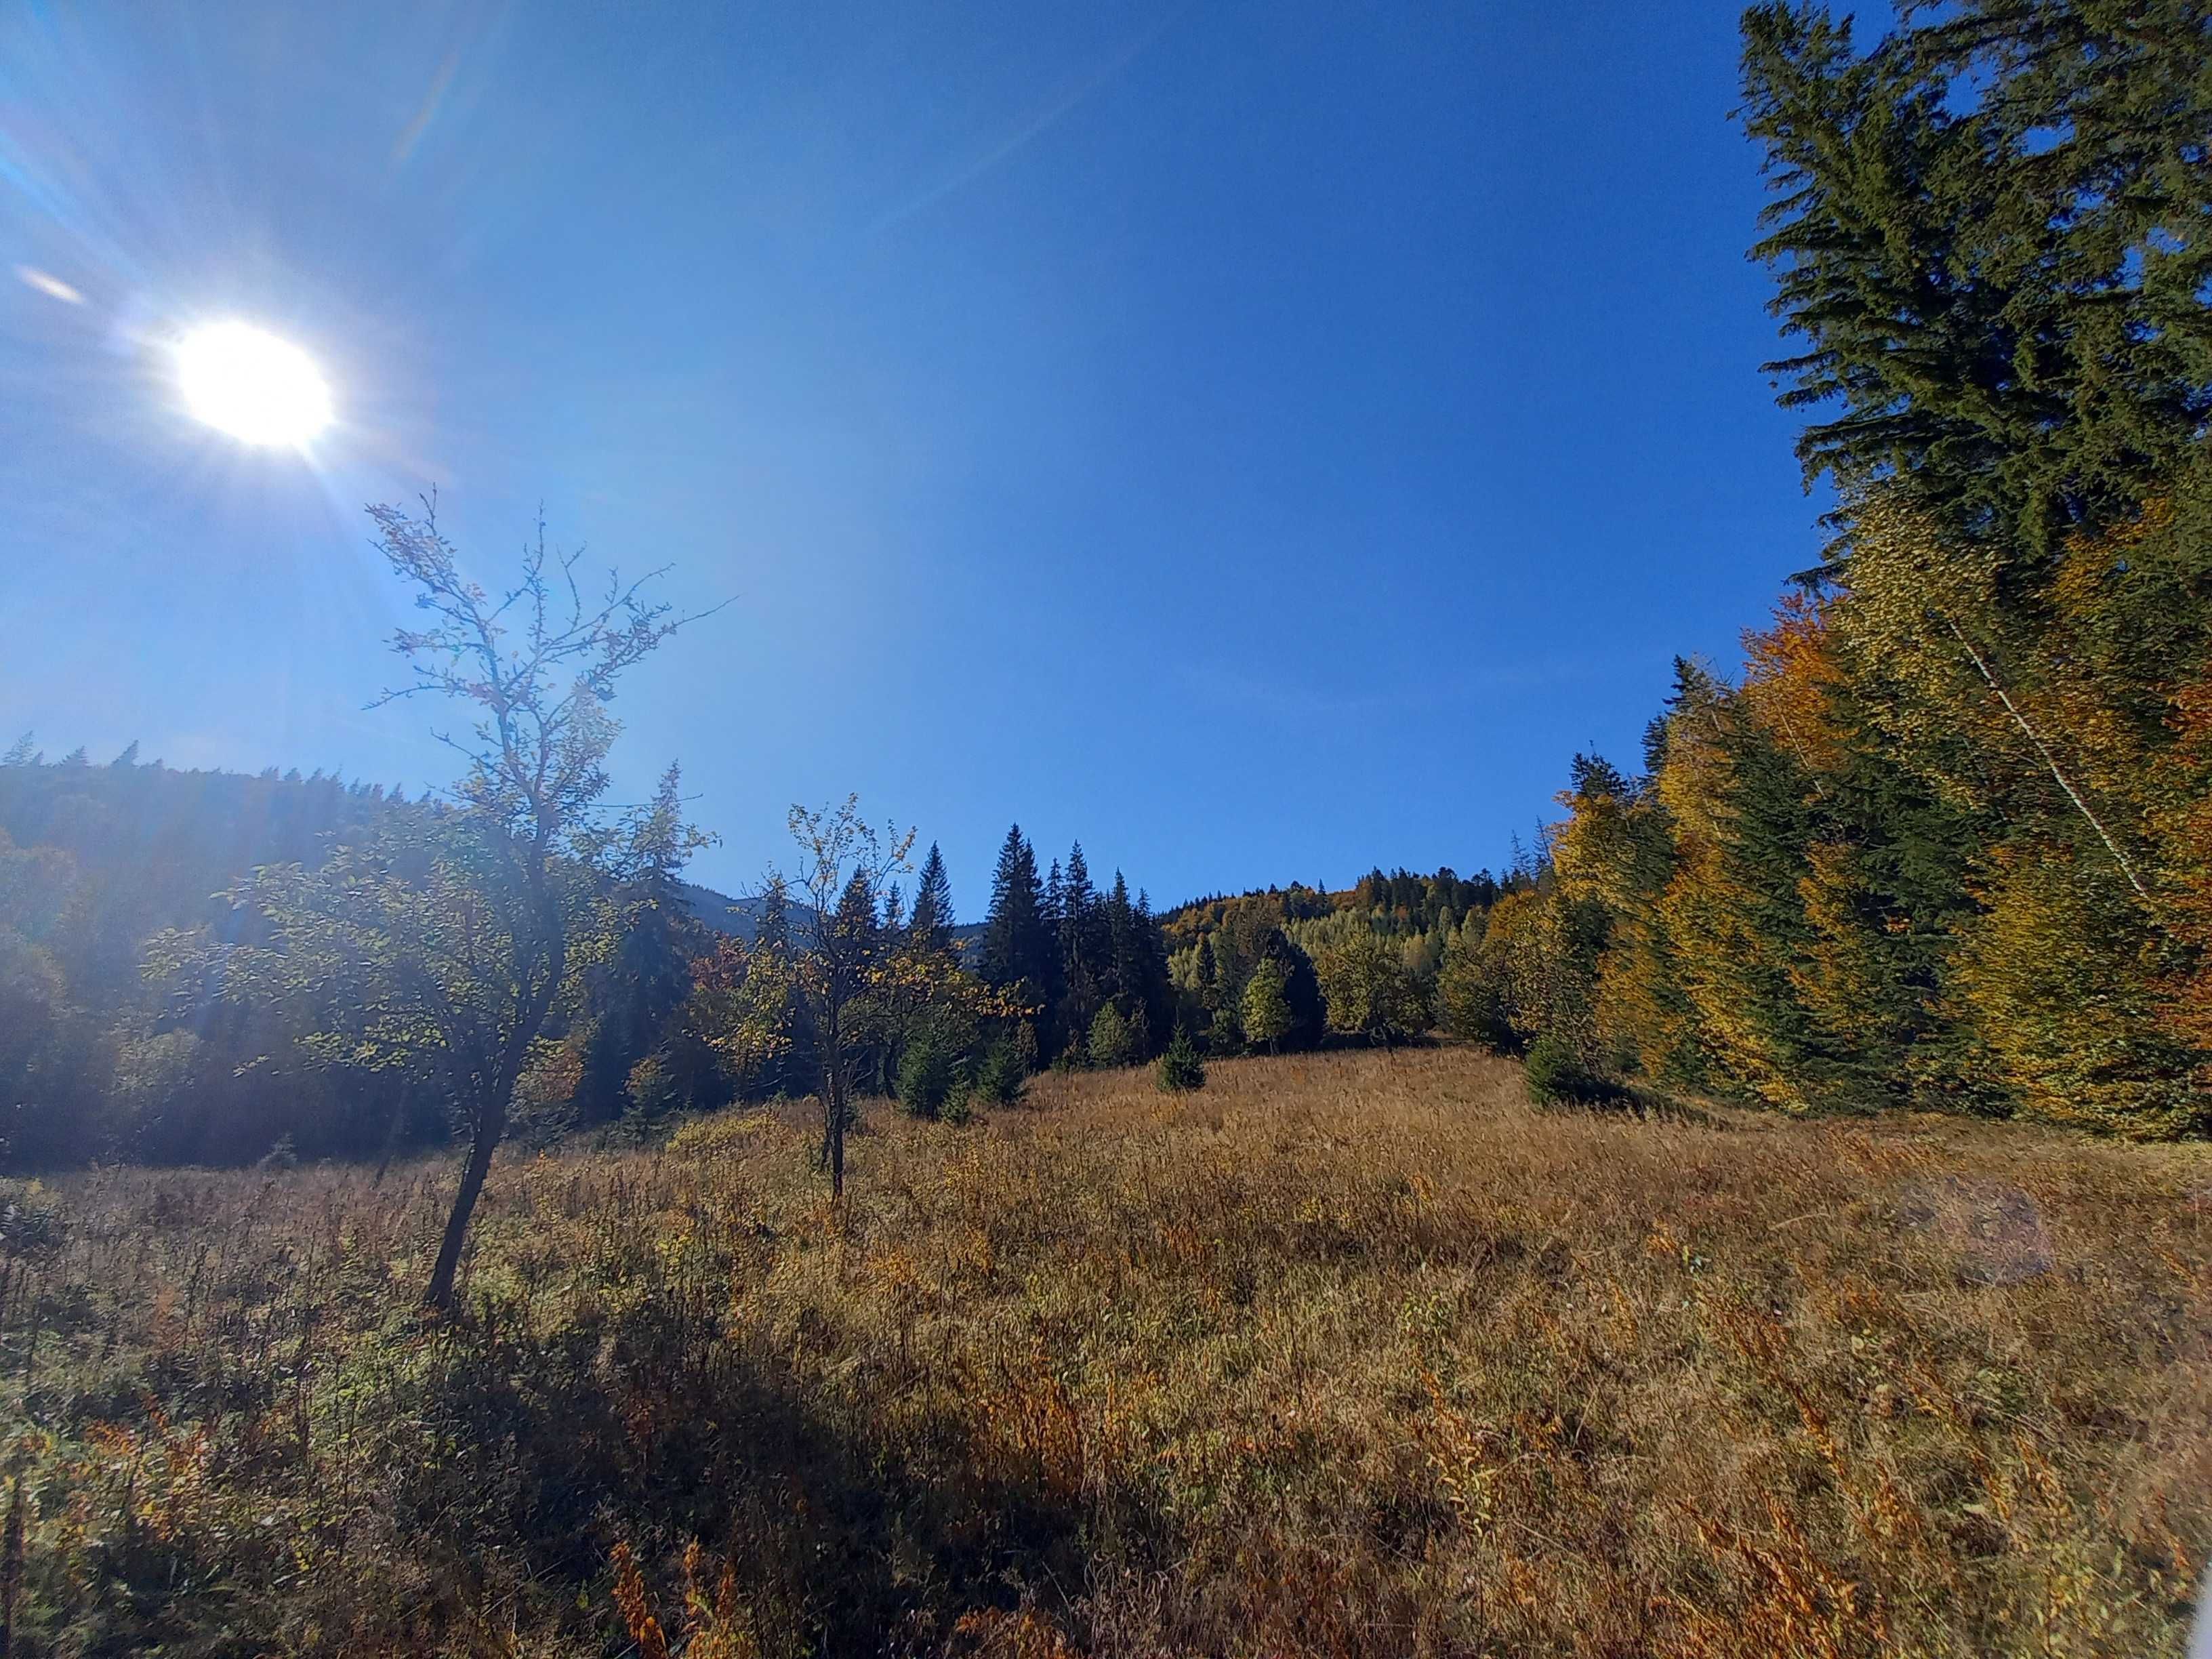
{"x":1179,"y":1068}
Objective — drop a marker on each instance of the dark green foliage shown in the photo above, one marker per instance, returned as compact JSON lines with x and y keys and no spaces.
{"x":631,"y":995}
{"x":1988,"y":230}
{"x":1556,"y":1071}
{"x":1766,"y":859}
{"x":655,"y":1091}
{"x":1152,"y":990}
{"x":927,"y":1073}
{"x":1179,"y":1068}
{"x":1225,"y":1034}
{"x":1220,"y":944}
{"x":1908,"y":855}
{"x":1301,"y":990}
{"x":1137,"y":976}
{"x":1066,"y":953}
{"x":1017,"y":946}
{"x":1085,"y":962}
{"x":1113,"y":1041}
{"x":1944,"y":844}
{"x":1001,"y":1074}
{"x":930,"y":924}
{"x":1406,"y":902}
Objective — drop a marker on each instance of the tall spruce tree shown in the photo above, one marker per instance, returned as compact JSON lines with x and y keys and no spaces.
{"x":630,"y":994}
{"x":1136,"y":977}
{"x":1301,"y":988}
{"x":1987,"y":230}
{"x":1082,"y":948}
{"x":1017,"y":946}
{"x":793,"y":1065}
{"x":930,"y":925}
{"x":1158,"y":986}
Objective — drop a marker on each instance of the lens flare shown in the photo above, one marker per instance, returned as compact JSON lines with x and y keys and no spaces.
{"x":53,"y":287}
{"x":258,"y":388}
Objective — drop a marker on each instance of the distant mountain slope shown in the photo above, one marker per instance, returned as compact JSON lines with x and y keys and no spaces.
{"x":740,"y":917}
{"x":130,"y":849}
{"x":150,"y":846}
{"x":142,"y":847}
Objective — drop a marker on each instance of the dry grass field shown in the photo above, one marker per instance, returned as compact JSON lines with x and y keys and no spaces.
{"x":1346,"y":1355}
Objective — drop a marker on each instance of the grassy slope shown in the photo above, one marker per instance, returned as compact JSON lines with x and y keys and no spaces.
{"x":1351,"y":1355}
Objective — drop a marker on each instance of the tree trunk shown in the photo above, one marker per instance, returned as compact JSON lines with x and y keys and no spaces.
{"x":837,"y":1138}
{"x":834,"y":1086}
{"x":486,"y":1142}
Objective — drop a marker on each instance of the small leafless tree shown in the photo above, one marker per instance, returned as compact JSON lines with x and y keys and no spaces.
{"x":536,"y":666}
{"x":845,"y":867}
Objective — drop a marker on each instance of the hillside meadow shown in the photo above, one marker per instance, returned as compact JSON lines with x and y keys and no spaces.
{"x":1344,"y":1355}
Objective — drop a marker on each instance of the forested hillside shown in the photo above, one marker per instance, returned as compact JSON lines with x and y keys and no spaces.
{"x":126,"y":885}
{"x":95,"y":862}
{"x":125,"y":889}
{"x":1288,"y":967}
{"x":107,"y":1049}
{"x":1944,"y":840}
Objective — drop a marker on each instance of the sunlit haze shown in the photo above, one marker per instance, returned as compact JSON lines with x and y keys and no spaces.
{"x":1239,"y":437}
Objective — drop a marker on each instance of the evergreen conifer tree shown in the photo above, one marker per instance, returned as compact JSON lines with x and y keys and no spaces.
{"x":1301,"y":994}
{"x":792,"y":1065}
{"x":1180,"y":1069}
{"x":1081,"y":954}
{"x":1113,"y":1041}
{"x":1225,"y":1034}
{"x":1017,"y":947}
{"x":1266,"y":1009}
{"x":2013,"y":324}
{"x":630,"y":997}
{"x":930,"y":925}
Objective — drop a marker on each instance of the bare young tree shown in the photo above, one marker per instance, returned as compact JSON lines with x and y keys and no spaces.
{"x":536,"y":666}
{"x":845,"y":867}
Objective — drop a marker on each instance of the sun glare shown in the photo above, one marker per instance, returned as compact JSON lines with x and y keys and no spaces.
{"x":260,"y":389}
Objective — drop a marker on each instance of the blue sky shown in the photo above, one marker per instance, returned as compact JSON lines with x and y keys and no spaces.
{"x":1261,"y":440}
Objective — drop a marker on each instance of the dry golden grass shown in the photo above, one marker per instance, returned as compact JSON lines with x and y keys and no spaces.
{"x":1343,"y":1355}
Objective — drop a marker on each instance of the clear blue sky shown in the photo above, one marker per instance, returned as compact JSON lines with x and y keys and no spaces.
{"x":1261,"y":440}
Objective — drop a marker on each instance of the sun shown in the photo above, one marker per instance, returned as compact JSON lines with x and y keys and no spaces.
{"x":260,"y":389}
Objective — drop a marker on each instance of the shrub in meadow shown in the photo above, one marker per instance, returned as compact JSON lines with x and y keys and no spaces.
{"x":1556,"y":1073}
{"x":927,"y":1076}
{"x":1000,"y":1076}
{"x":1179,"y":1068}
